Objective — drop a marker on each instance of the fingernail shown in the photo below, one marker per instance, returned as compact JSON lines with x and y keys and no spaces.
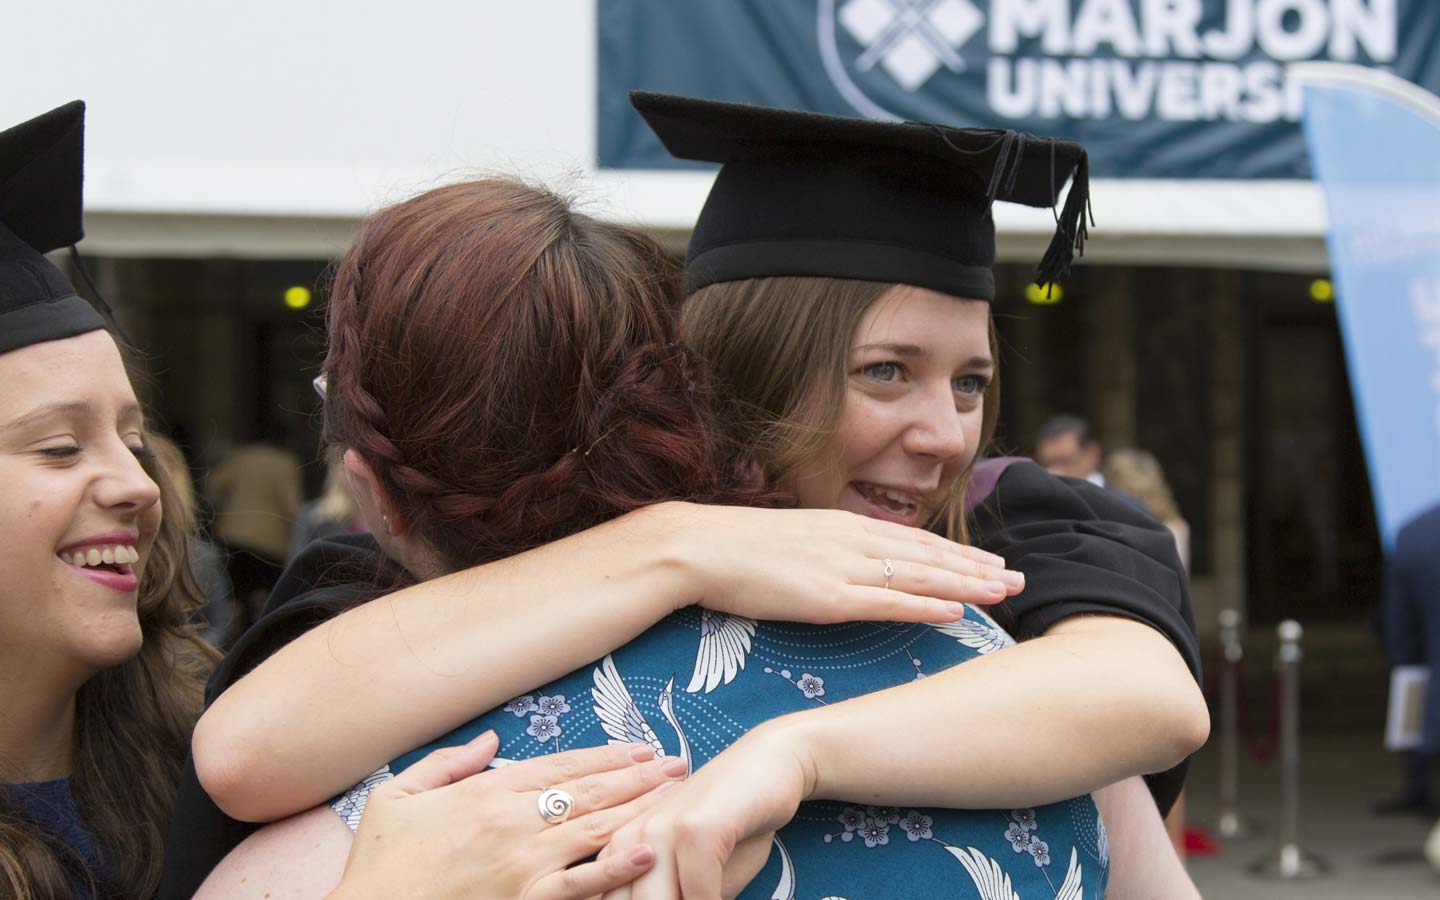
{"x":995,"y":588}
{"x":674,"y":766}
{"x":642,"y":752}
{"x":642,"y":855}
{"x":1014,"y":579}
{"x":956,"y":609}
{"x":483,"y":736}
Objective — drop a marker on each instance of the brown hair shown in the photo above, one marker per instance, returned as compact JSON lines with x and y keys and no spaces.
{"x":778,"y":348}
{"x":509,"y":369}
{"x":132,"y":732}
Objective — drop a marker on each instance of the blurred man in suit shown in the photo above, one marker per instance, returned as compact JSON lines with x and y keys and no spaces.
{"x":1410,"y":615}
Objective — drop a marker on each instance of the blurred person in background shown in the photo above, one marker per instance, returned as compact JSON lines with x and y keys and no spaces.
{"x":101,"y":673}
{"x":1137,"y":474}
{"x":221,"y":617}
{"x":334,"y":512}
{"x":255,"y":492}
{"x":1410,"y":618}
{"x":1066,"y":445}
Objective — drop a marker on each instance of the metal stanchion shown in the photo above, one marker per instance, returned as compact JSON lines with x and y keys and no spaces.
{"x":1289,"y":860}
{"x":1230,"y":824}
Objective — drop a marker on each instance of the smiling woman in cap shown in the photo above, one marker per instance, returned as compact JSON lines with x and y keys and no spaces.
{"x":840,"y":280}
{"x":100,"y":672}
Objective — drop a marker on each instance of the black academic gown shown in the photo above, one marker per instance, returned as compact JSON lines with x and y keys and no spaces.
{"x":1082,"y":549}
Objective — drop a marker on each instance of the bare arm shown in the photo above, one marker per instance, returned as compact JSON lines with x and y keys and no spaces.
{"x":425,"y":659}
{"x":1143,"y":862}
{"x":1094,"y":700}
{"x":431,"y":657}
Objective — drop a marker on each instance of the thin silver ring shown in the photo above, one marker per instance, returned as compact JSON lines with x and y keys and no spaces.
{"x":889,"y":571}
{"x":555,"y":805}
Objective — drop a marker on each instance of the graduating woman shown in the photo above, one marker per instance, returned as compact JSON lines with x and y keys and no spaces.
{"x":100,"y":670}
{"x":568,"y":432}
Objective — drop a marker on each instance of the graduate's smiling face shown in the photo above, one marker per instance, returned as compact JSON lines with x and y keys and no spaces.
{"x":917,"y":368}
{"x":78,"y":513}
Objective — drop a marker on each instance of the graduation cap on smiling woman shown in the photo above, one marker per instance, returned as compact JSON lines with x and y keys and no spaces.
{"x":800,"y":193}
{"x":41,"y":169}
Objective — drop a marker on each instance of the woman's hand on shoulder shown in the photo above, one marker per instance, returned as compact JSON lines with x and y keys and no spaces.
{"x":824,"y":566}
{"x":444,"y":828}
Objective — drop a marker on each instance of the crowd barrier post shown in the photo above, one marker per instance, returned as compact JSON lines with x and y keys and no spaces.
{"x":1230,"y":824}
{"x":1289,"y":861}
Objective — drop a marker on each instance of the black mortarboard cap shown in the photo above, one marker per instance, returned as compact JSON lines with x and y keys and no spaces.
{"x":41,"y":169}
{"x":906,"y":202}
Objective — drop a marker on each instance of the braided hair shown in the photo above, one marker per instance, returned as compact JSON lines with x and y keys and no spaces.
{"x":509,"y":368}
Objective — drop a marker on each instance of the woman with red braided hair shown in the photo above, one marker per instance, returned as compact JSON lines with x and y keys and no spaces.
{"x":503,"y":374}
{"x":540,"y":338}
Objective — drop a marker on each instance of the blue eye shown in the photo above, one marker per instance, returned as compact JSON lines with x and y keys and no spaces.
{"x":885,"y":372}
{"x":971,"y":384}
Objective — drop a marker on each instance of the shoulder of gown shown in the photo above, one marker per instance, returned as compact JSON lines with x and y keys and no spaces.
{"x":328,"y":577}
{"x":1084,"y":550}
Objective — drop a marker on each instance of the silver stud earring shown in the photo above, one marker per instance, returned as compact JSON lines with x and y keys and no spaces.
{"x":385,"y":523}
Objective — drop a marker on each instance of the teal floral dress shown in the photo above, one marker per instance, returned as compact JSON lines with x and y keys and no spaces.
{"x":693,"y":684}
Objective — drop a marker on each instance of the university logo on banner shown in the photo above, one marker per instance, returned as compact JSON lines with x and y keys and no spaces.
{"x":1154,"y":88}
{"x":909,"y":41}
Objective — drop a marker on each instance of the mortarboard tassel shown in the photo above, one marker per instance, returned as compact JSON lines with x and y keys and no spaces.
{"x":1071,"y":228}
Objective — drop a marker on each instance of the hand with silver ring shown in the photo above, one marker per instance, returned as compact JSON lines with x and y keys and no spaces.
{"x":452,"y":830}
{"x":555,"y":805}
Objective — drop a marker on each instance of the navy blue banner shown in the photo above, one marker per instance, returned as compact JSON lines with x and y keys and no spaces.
{"x":1154,"y":88}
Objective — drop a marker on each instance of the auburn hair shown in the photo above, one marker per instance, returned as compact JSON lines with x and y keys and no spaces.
{"x":510,"y":370}
{"x":132,"y":733}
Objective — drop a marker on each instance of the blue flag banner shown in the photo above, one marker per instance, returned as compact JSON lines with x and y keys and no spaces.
{"x":1374,"y":140}
{"x":1154,"y":88}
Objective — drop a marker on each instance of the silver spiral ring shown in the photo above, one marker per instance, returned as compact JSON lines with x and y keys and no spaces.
{"x":889,"y":571}
{"x":555,"y":805}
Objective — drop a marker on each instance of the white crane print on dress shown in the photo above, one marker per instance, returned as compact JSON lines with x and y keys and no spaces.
{"x":724,"y":644}
{"x":976,"y":631}
{"x":622,"y":719}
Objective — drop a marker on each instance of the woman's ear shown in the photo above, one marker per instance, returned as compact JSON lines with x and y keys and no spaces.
{"x":375,"y":503}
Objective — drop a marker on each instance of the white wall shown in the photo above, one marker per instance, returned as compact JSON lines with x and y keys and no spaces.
{"x":266,"y":127}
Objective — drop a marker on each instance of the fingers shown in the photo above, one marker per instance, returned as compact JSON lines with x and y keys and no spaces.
{"x":932,"y":581}
{"x":448,"y":765}
{"x":606,"y":789}
{"x":662,"y":882}
{"x":900,"y":542}
{"x":956,"y":560}
{"x":698,"y":864}
{"x":864,"y":603}
{"x":745,"y":862}
{"x":579,"y":838}
{"x":594,"y":878}
{"x":920,"y":537}
{"x":549,"y":771}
